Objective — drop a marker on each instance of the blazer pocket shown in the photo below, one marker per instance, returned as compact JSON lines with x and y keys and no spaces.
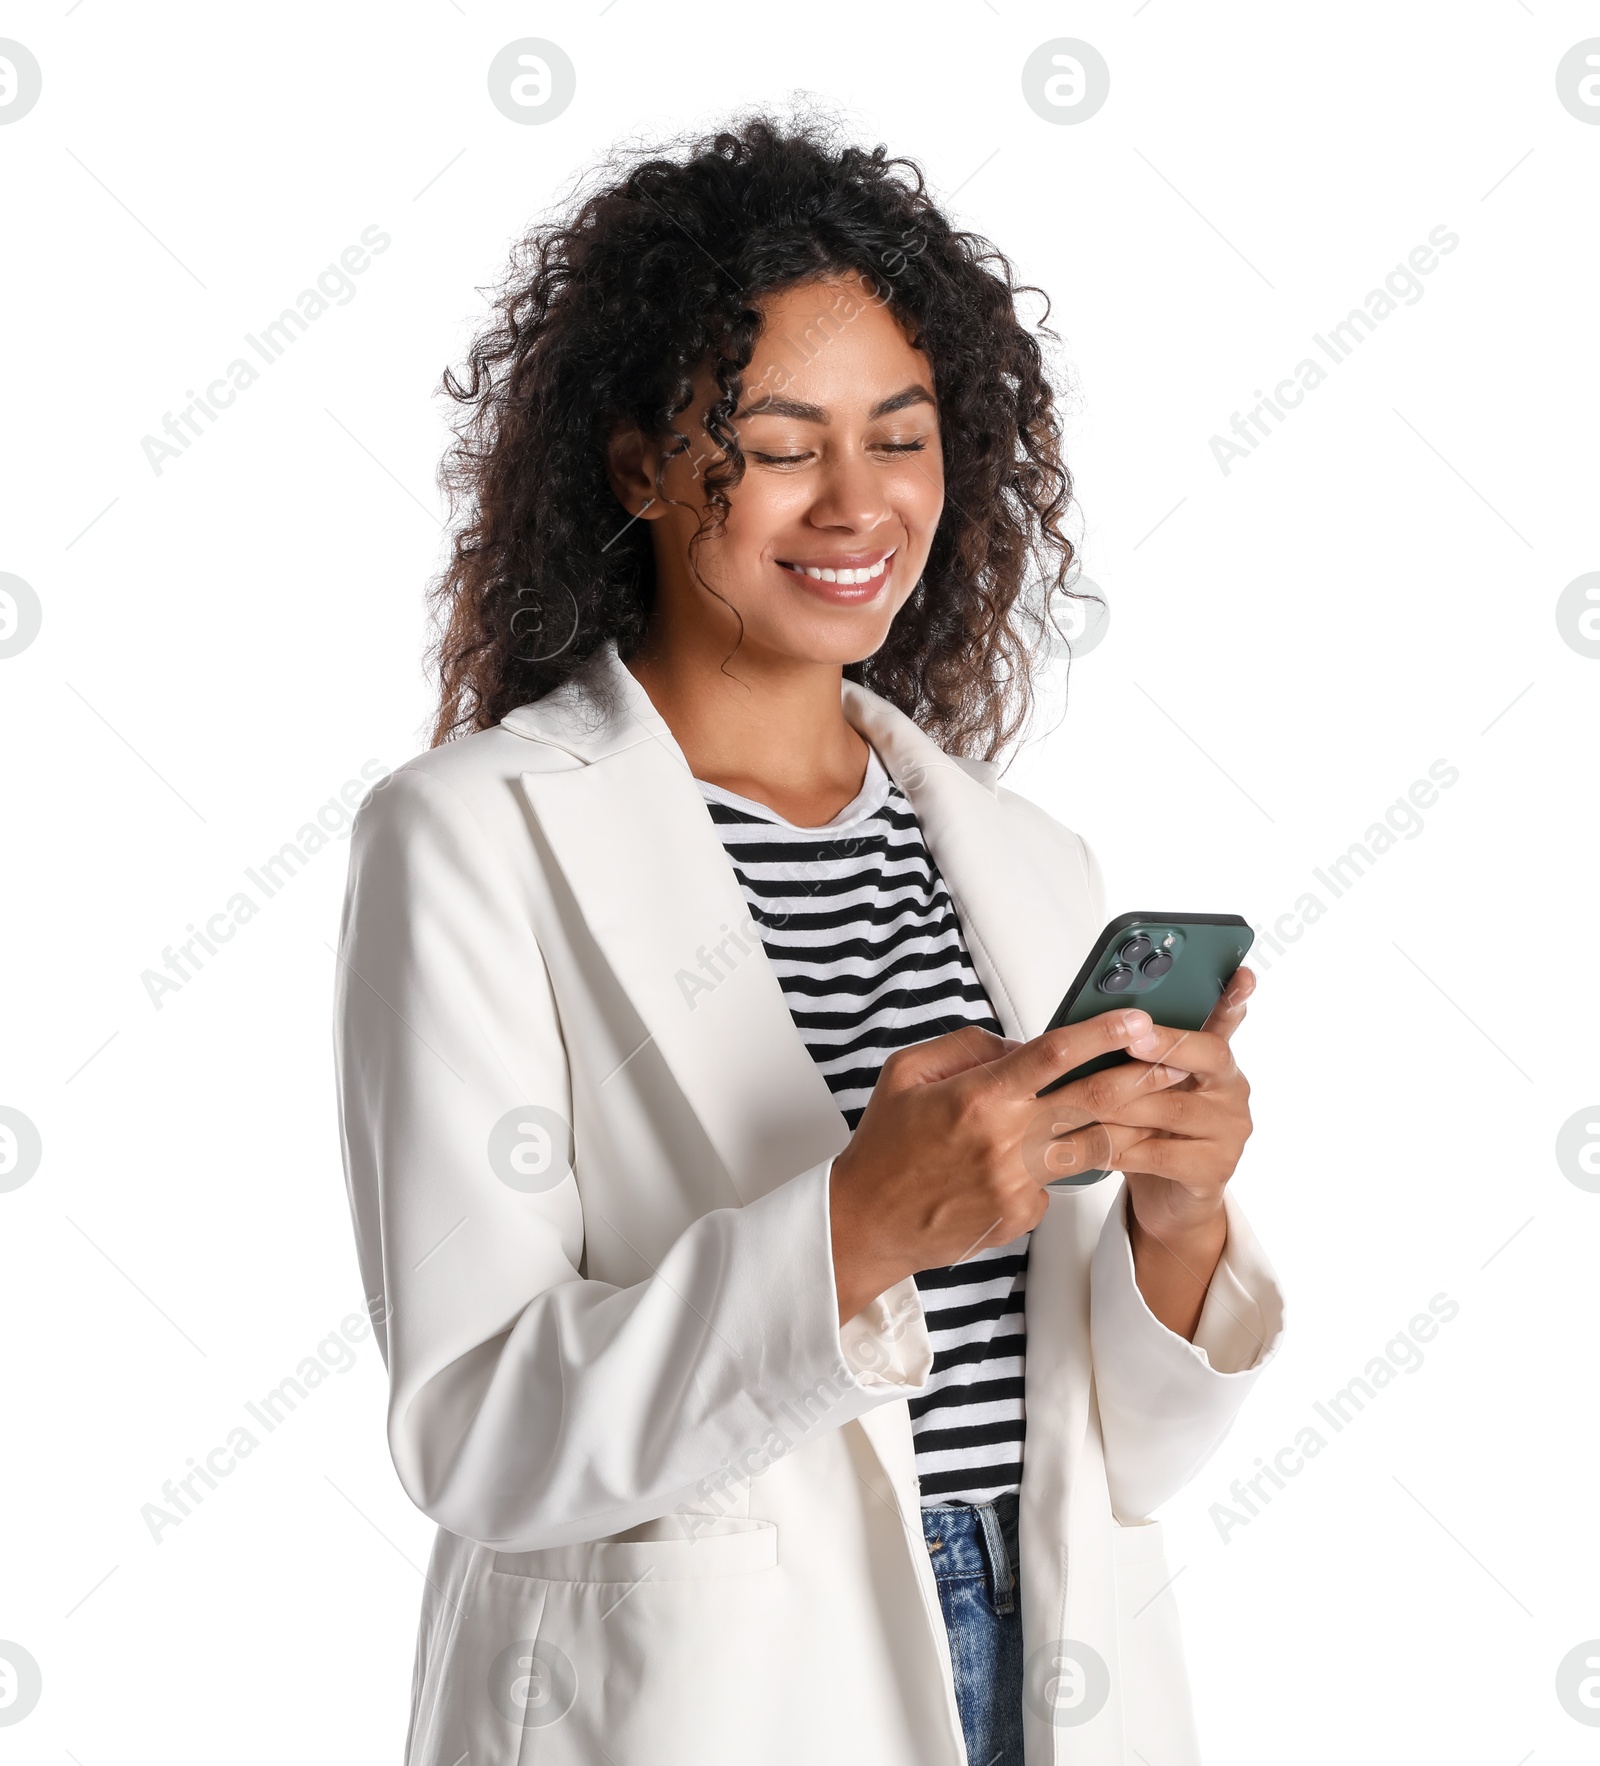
{"x":720,"y":1548}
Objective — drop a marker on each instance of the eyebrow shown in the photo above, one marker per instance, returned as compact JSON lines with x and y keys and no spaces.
{"x":804,"y":413}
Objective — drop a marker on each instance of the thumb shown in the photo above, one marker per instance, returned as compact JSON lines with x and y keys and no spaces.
{"x":1228,"y":1013}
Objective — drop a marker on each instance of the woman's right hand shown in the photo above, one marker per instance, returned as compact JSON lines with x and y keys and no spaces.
{"x":939,"y":1165}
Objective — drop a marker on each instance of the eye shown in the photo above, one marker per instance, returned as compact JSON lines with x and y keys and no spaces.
{"x":778,"y":459}
{"x":914,"y":447}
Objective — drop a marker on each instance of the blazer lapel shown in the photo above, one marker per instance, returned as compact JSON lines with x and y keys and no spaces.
{"x":632,"y":836}
{"x":1027,"y":928}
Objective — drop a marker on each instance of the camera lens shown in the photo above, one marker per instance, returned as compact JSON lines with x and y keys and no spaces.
{"x":1135,"y":949}
{"x":1156,"y":965}
{"x":1115,"y":980}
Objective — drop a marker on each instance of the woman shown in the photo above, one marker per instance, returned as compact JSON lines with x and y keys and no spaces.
{"x":769,"y":1405}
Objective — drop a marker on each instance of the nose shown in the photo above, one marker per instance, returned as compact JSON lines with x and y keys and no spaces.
{"x":851,"y":496}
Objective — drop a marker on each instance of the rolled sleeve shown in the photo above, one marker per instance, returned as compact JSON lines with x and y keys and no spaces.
{"x":886,"y":1345}
{"x":1166,"y":1404}
{"x":885,"y":1348}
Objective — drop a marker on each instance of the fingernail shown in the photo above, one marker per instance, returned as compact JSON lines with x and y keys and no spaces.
{"x":1135,"y":1022}
{"x":1145,"y":1045}
{"x":1174,"y":1074}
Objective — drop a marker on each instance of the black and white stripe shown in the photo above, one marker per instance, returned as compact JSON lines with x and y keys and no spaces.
{"x":867,"y":947}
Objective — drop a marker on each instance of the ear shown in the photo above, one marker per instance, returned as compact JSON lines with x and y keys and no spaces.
{"x":632,"y":460}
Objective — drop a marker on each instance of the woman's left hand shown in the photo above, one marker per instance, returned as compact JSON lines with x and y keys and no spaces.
{"x":1195,"y":1130}
{"x":1178,"y":1137}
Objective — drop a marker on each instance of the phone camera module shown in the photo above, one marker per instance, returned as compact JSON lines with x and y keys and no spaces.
{"x":1136,"y":949}
{"x":1156,"y":965}
{"x":1116,"y":979}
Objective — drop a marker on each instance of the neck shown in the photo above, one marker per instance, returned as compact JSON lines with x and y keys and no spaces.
{"x":770,"y":728}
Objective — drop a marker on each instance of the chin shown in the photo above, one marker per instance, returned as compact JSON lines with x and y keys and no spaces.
{"x":835,"y":635}
{"x":840,"y":641}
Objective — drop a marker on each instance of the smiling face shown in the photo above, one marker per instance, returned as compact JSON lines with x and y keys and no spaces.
{"x":828,"y":531}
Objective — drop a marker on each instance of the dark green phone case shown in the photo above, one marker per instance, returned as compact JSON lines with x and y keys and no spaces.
{"x":1205,"y":950}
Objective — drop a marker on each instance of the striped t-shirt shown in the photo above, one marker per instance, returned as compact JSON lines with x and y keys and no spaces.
{"x":864,"y":937}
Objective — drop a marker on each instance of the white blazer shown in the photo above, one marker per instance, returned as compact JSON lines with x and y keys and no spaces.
{"x":677,"y":1505}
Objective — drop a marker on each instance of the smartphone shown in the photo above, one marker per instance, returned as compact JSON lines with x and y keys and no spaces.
{"x":1173,"y":966}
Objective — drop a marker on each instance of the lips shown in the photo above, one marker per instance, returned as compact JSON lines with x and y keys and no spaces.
{"x":841,"y":571}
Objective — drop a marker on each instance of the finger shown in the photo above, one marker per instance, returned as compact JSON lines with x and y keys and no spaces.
{"x":1196,"y":1051}
{"x":1193,"y":1114}
{"x":1024,"y":1070}
{"x":1184,"y":1161}
{"x":1105,"y":1096}
{"x":1229,"y":1011}
{"x":1071,"y":1155}
{"x":1097,"y":1146}
{"x":1112,"y":1147}
{"x":943,"y":1057}
{"x":1064,"y":1135}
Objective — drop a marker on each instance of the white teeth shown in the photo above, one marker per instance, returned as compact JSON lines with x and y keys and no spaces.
{"x":863,"y":574}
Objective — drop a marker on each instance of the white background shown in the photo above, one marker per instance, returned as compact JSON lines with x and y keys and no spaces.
{"x":1292,"y":643}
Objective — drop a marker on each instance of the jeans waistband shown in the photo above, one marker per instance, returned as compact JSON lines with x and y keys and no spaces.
{"x":968,"y":1540}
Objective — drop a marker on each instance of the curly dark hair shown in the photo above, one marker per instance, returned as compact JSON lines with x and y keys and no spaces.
{"x":605,"y":316}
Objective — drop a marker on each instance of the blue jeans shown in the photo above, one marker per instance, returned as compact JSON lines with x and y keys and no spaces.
{"x":973,"y":1550}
